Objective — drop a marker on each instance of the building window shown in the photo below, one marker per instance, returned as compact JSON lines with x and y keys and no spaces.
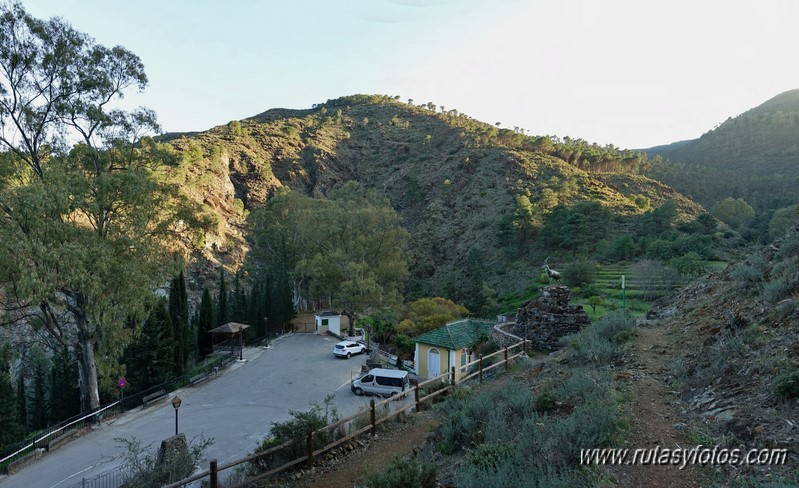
{"x":464,"y":360}
{"x":324,"y":321}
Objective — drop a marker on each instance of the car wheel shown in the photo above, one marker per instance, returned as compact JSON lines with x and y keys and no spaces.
{"x":359,"y":392}
{"x":349,"y":355}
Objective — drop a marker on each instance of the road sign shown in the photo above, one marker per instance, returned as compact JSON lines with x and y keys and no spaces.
{"x":122,"y":382}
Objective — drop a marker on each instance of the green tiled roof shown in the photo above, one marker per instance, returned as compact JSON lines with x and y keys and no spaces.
{"x":458,"y":334}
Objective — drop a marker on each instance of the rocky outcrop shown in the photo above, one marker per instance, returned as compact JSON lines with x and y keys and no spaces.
{"x":549,"y":317}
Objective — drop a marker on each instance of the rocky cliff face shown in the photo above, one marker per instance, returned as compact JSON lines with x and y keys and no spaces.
{"x":548,"y":318}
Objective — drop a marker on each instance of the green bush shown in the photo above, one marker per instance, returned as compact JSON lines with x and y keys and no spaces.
{"x":690,"y":264}
{"x":786,"y":385}
{"x":489,"y":457}
{"x":546,"y":402}
{"x":146,"y":468}
{"x":405,"y":472}
{"x":579,"y":273}
{"x":600,"y":341}
{"x":296,"y":429}
{"x":775,"y":289}
{"x":746,"y":273}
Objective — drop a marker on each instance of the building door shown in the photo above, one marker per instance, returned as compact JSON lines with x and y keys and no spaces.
{"x":433,"y":363}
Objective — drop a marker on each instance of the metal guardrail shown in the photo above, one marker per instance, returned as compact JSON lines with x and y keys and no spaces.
{"x":114,"y":478}
{"x":22,"y":448}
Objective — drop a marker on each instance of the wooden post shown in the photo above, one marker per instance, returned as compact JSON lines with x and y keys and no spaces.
{"x":214,"y":476}
{"x":416,"y":395}
{"x":480,"y":357}
{"x":506,"y":359}
{"x":309,"y":446}
{"x":452,"y":376}
{"x":372,"y":416}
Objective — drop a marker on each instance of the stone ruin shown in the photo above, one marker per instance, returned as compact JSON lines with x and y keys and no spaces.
{"x":549,"y":317}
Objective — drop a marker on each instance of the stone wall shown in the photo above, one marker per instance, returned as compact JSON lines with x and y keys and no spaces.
{"x":549,"y":317}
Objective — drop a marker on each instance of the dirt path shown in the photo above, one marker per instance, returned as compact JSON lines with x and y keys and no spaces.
{"x":653,"y":415}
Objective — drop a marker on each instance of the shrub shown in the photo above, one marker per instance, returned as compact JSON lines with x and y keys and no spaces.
{"x":546,"y":402}
{"x":600,"y":341}
{"x":145,"y":468}
{"x":690,"y":264}
{"x":786,"y":385}
{"x":746,"y":273}
{"x":405,"y":472}
{"x":775,"y":289}
{"x":579,"y":273}
{"x":296,"y":429}
{"x":489,"y":457}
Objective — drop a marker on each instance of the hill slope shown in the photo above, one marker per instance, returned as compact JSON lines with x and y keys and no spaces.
{"x":455,"y":181}
{"x":754,"y":156}
{"x":761,"y":140}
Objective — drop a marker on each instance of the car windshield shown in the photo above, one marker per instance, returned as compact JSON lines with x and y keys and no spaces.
{"x":339,"y":346}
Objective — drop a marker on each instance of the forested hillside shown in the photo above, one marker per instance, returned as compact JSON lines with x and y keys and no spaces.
{"x":474,"y":197}
{"x":754,"y":156}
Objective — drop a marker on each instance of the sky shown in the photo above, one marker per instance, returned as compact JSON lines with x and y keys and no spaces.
{"x":633,"y":73}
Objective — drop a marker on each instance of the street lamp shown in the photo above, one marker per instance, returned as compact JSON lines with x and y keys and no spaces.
{"x":176,"y":404}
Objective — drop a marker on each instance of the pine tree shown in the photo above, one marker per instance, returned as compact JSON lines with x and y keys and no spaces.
{"x":22,"y":400}
{"x":222,"y":307}
{"x":205,"y":323}
{"x":10,"y":428}
{"x":179,"y":315}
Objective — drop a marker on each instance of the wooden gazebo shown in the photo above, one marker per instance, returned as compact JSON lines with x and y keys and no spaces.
{"x":230,"y":330}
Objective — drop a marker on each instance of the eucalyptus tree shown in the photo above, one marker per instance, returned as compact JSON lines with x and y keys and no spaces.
{"x":349,"y":250}
{"x":88,"y":218}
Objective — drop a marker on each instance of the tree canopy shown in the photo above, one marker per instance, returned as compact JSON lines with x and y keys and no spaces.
{"x":348,"y":250}
{"x":88,"y":216}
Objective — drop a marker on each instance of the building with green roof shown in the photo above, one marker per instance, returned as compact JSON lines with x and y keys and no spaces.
{"x":438,"y":350}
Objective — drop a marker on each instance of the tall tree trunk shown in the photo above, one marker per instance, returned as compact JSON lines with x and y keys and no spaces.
{"x":351,"y":318}
{"x":87,"y":368}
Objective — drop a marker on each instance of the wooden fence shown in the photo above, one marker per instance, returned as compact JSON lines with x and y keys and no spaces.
{"x":445,"y":381}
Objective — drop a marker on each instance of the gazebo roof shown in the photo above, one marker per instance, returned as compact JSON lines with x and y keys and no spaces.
{"x":229,"y":328}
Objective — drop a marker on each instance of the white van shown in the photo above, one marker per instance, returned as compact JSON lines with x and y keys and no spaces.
{"x":378,"y":381}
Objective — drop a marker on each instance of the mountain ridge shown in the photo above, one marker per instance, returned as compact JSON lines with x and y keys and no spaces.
{"x":454,"y":180}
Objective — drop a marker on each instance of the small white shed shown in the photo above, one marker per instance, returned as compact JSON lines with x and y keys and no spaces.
{"x":328,"y":321}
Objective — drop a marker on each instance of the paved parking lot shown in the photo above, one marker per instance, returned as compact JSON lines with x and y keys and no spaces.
{"x":236,"y":409}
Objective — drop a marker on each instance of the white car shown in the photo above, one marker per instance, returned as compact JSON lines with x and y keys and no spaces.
{"x":345,"y":349}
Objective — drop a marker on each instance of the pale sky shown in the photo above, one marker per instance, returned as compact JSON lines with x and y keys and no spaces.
{"x":634,"y":73}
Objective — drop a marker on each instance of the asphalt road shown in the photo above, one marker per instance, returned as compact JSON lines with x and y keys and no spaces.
{"x":236,"y":409}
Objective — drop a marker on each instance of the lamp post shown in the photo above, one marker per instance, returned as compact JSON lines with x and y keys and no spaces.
{"x":176,"y":404}
{"x":241,"y":344}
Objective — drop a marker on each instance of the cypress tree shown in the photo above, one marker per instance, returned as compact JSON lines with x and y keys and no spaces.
{"x":205,"y":322}
{"x":39,"y":400}
{"x":239,"y":305}
{"x":64,"y":392}
{"x":179,"y":315}
{"x":283,"y":303}
{"x":10,"y":429}
{"x":22,"y":400}
{"x":150,"y":360}
{"x":222,"y":307}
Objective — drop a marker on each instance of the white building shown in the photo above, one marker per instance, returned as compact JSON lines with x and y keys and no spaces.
{"x":328,"y":321}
